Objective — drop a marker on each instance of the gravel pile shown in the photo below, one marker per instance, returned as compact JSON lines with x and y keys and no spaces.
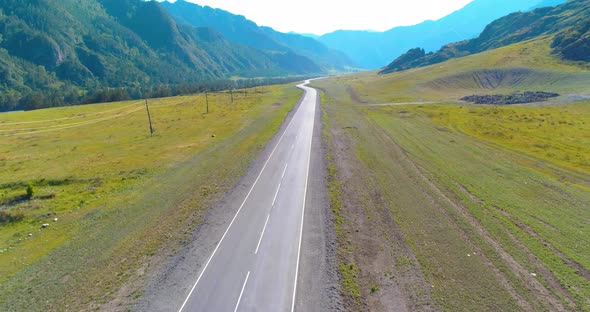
{"x":514,"y":98}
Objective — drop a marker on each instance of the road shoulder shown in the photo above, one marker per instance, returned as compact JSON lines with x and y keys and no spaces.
{"x":318,"y":284}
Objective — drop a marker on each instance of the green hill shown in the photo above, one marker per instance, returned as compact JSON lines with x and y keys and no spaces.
{"x":54,"y":53}
{"x":569,"y":23}
{"x":489,"y":201}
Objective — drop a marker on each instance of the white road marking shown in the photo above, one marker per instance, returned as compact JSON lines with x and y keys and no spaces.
{"x":276,"y":194}
{"x":284,"y":170}
{"x":236,"y":215}
{"x":242,"y":292}
{"x":262,"y":234}
{"x":279,"y":187}
{"x":302,"y":219}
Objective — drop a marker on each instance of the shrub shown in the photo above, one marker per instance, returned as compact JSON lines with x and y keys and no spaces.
{"x":9,"y":217}
{"x":30,"y":191}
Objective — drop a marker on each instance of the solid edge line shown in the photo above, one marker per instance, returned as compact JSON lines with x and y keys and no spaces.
{"x":302,"y":215}
{"x":262,"y":235}
{"x":241,"y":206}
{"x":242,"y":292}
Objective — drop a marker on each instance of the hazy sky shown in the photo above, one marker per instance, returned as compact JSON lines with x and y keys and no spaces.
{"x":323,"y":16}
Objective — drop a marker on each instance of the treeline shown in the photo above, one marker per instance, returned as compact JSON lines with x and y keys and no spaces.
{"x":65,"y":52}
{"x":72,"y":96}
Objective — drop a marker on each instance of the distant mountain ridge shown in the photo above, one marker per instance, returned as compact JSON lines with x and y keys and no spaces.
{"x":238,"y":29}
{"x":56,"y":52}
{"x":372,"y":50}
{"x":569,"y":22}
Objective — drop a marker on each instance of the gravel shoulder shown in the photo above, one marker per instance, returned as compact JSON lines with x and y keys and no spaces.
{"x":318,"y":285}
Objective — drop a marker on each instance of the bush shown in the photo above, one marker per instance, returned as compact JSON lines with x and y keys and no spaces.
{"x":9,"y":217}
{"x":30,"y":191}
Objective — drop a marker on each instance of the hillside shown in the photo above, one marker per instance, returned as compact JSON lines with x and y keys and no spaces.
{"x":62,"y":52}
{"x":444,"y":205}
{"x":241,"y":30}
{"x":569,"y":22}
{"x":372,"y":50}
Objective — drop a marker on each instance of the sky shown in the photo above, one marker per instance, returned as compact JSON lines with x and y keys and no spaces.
{"x":324,"y":16}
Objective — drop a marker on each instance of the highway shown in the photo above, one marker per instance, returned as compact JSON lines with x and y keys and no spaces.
{"x":255,"y":265}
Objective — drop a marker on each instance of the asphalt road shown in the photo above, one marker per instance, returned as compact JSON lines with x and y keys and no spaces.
{"x":255,"y":265}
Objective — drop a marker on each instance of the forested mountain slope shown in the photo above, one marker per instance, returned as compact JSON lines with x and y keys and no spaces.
{"x":241,"y":30}
{"x":57,"y":52}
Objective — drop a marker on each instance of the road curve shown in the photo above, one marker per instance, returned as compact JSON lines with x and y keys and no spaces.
{"x":255,"y":265}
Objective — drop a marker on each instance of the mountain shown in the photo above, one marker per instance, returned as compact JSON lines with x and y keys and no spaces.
{"x":372,"y":50}
{"x":241,"y":30}
{"x":546,"y":3}
{"x":56,"y":52}
{"x":314,"y":36}
{"x":568,"y":22}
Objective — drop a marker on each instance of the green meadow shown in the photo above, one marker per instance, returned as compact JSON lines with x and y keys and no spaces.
{"x":492,"y":201}
{"x":114,"y":199}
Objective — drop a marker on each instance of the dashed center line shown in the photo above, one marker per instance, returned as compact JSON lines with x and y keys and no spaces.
{"x":262,"y":234}
{"x":252,"y":291}
{"x":276,"y":194}
{"x":235,"y":216}
{"x":242,"y":292}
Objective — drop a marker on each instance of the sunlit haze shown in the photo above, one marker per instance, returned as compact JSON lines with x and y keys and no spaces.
{"x":320,"y":17}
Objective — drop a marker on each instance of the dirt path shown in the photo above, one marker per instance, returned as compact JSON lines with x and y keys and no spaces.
{"x":532,"y":283}
{"x":389,"y":275}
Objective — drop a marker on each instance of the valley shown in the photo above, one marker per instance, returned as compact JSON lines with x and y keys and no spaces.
{"x":172,"y":156}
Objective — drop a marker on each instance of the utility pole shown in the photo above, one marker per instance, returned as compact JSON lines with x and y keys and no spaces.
{"x":207,"y":101}
{"x":149,"y":118}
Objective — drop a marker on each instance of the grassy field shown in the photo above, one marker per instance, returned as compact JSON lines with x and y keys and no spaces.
{"x":558,"y":134}
{"x":489,"y":204}
{"x":448,"y":81}
{"x":115,"y":198}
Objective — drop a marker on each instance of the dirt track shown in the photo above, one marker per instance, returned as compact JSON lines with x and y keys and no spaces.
{"x":389,"y":278}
